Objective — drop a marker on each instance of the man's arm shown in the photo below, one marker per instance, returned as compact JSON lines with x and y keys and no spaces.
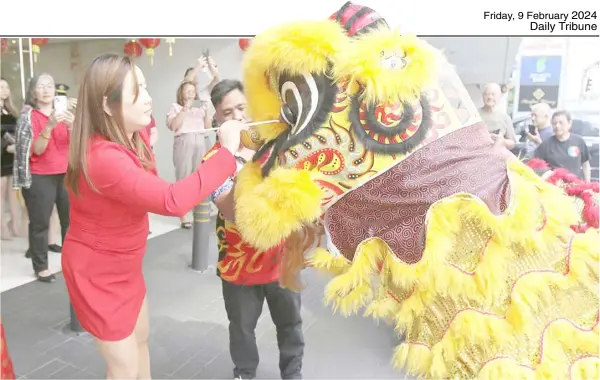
{"x":193,"y":74}
{"x":587,"y":171}
{"x":510,"y":138}
{"x":214,"y":72}
{"x":540,"y":152}
{"x":225,"y":200}
{"x":203,"y":62}
{"x":585,"y":161}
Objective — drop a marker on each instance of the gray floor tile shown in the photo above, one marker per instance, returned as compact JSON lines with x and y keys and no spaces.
{"x":47,"y":370}
{"x":67,"y":372}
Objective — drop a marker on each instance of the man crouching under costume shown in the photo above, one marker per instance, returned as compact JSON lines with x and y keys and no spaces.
{"x":250,"y":276}
{"x":463,"y":247}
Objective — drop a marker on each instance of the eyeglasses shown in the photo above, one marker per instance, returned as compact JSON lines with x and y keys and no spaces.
{"x":46,"y":87}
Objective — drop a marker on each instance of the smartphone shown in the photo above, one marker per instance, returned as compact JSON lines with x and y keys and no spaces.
{"x":532,"y":129}
{"x":206,"y":54}
{"x":61,"y":104}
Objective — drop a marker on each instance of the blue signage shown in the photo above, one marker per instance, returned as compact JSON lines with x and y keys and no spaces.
{"x":541,"y":70}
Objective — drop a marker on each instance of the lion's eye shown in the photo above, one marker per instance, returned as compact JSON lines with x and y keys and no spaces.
{"x":391,"y":128}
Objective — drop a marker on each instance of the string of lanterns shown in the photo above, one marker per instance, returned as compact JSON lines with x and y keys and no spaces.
{"x":133,"y":48}
{"x":36,"y":44}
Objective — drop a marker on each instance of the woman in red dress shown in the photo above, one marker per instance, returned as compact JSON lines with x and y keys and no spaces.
{"x":113,"y":185}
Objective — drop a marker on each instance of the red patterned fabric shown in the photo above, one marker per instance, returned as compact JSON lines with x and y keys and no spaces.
{"x":238,"y":262}
{"x":7,"y":371}
{"x":393,"y":205}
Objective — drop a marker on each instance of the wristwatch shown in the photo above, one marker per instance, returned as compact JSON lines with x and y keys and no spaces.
{"x":240,"y":159}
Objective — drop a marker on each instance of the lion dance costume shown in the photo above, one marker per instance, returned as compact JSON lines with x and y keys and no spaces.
{"x":464,"y":248}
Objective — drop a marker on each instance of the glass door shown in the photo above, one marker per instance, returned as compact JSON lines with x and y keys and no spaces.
{"x":16,"y":66}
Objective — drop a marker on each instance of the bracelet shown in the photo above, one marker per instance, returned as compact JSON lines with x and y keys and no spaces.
{"x":47,"y":137}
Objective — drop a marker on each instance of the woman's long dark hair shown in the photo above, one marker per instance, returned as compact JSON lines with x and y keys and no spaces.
{"x":8,"y":104}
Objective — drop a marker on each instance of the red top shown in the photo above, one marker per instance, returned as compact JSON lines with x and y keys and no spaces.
{"x":55,"y":158}
{"x":105,"y":245}
{"x":239,"y":262}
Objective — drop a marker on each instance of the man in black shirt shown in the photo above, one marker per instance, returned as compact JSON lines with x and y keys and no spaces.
{"x":565,"y":150}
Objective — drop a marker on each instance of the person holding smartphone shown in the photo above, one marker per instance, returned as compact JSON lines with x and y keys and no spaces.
{"x":41,"y":156}
{"x":188,"y":122}
{"x":540,"y":129}
{"x":498,"y":122}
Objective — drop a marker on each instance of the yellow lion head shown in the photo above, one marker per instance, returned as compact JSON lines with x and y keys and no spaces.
{"x":354,"y":98}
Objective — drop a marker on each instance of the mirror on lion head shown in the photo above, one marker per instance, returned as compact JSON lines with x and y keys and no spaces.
{"x":354,"y":98}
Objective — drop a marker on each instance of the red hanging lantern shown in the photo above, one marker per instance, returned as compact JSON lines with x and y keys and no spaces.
{"x":36,"y":44}
{"x":150,"y":44}
{"x":132,"y":49}
{"x":3,"y":46}
{"x":244,"y":43}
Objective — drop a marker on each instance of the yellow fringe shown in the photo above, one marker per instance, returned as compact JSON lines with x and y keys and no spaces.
{"x":584,"y":256}
{"x":353,"y":289}
{"x":413,"y":358}
{"x":323,"y":260}
{"x":505,"y":368}
{"x":562,"y":339}
{"x":469,"y":328}
{"x":258,"y":201}
{"x":361,"y":63}
{"x":533,"y":292}
{"x":587,"y":368}
{"x":384,"y":307}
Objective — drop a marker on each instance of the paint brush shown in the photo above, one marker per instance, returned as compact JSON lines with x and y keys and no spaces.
{"x":250,"y":124}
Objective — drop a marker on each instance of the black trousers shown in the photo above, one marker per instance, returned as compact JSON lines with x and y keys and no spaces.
{"x":45,"y":191}
{"x":244,"y":306}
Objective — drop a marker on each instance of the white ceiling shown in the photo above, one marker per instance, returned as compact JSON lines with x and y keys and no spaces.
{"x":478,"y":60}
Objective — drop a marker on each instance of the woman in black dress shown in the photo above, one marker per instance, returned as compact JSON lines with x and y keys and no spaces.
{"x":8,"y":122}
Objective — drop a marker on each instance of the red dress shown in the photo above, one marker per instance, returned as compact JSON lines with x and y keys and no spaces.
{"x":106,"y":242}
{"x":6,"y":369}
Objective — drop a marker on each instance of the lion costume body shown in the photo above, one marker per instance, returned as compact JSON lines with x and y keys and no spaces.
{"x":466,"y":249}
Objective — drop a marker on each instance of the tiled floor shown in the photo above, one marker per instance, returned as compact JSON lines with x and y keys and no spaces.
{"x":16,"y":269}
{"x":189,"y":336}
